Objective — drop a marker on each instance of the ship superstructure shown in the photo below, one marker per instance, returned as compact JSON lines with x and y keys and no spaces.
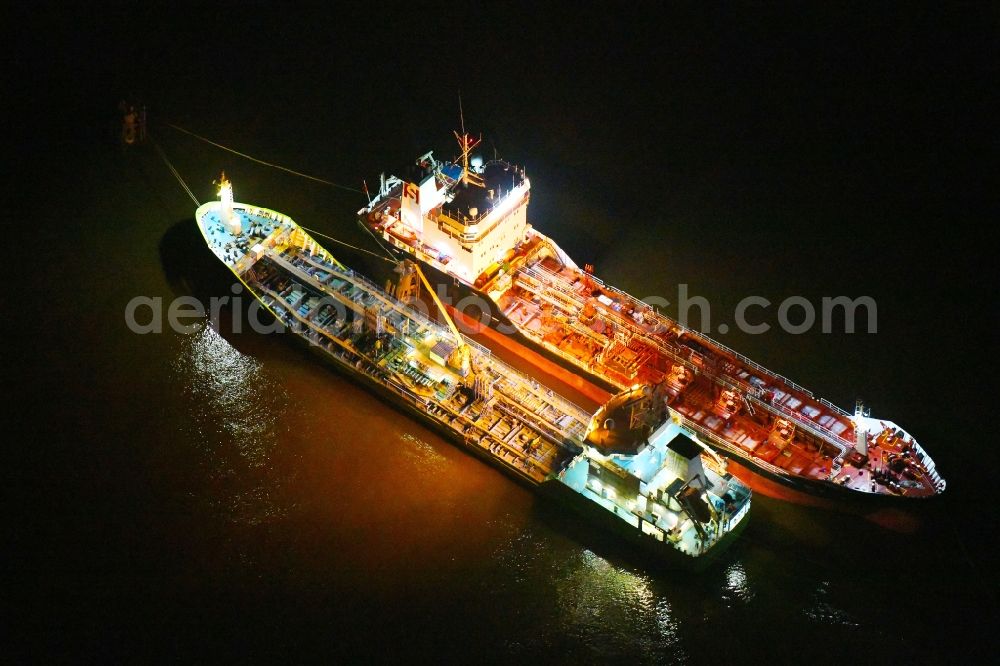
{"x":468,"y":221}
{"x":480,"y":402}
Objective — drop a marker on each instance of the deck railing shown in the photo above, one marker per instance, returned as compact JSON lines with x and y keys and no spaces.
{"x":814,"y":428}
{"x":729,"y":446}
{"x":570,"y":408}
{"x":563,"y":285}
{"x":636,"y":303}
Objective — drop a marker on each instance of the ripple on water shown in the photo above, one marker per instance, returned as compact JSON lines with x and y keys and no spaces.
{"x":738,"y":587}
{"x":611,"y":610}
{"x":237,"y":418}
{"x":595,"y":595}
{"x":424,"y":456}
{"x":823,"y":612}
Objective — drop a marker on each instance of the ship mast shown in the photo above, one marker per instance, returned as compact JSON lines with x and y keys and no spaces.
{"x":466,"y":144}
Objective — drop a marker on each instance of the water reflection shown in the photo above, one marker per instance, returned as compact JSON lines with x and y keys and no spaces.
{"x":237,"y":416}
{"x":423,"y":456}
{"x":595,"y":596}
{"x":823,"y":612}
{"x":738,"y":586}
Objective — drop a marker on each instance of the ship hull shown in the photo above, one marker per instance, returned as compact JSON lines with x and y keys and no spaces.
{"x":596,"y":516}
{"x":359,"y":368}
{"x":415,"y":408}
{"x":566,"y":499}
{"x":794,"y":488}
{"x":801,"y":490}
{"x":458,"y":290}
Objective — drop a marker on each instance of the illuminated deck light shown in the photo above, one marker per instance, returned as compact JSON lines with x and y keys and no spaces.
{"x":229,"y":219}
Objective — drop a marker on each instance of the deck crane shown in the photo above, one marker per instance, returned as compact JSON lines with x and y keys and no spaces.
{"x":460,"y":359}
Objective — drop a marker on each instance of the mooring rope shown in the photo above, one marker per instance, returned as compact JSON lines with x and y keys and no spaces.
{"x":353,"y":247}
{"x":264,"y":162}
{"x":174,"y":171}
{"x":388,"y":256}
{"x":378,"y":242}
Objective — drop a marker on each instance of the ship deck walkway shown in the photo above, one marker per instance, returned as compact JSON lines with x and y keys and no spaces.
{"x":557,"y":420}
{"x":608,"y":333}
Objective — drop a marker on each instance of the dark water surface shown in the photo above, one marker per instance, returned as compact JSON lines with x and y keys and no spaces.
{"x":223,"y":494}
